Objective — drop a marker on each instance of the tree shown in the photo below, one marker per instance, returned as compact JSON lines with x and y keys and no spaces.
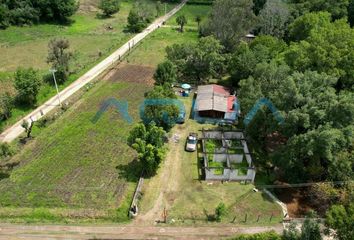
{"x":149,"y":156}
{"x":258,"y":6}
{"x":351,"y":13}
{"x":148,"y":142}
{"x":159,"y":7}
{"x":109,"y":7}
{"x":328,"y":49}
{"x":139,"y":131}
{"x":135,"y":23}
{"x":198,"y":20}
{"x":274,"y":18}
{"x":21,"y":12}
{"x":337,"y":8}
{"x":163,"y":114}
{"x":165,"y":73}
{"x":301,"y":28}
{"x":27,"y":84}
{"x":245,"y":58}
{"x":60,"y":57}
{"x":181,"y":20}
{"x":341,"y":219}
{"x":230,"y":20}
{"x":6,"y":105}
{"x":198,"y":62}
{"x":4,"y":16}
{"x":28,"y":127}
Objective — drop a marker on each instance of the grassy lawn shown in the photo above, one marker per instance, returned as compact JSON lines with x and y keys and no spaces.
{"x":194,"y":200}
{"x":152,"y":50}
{"x":90,"y":40}
{"x":190,"y":11}
{"x":75,"y":170}
{"x":76,"y":164}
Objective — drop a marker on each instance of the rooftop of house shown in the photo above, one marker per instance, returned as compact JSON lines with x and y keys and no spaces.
{"x":215,"y":97}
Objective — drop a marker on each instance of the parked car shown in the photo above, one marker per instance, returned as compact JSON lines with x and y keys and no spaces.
{"x":191,"y":144}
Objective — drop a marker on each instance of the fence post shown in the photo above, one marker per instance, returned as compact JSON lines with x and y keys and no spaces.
{"x":246,"y":217}
{"x":258,"y":218}
{"x":271,"y":217}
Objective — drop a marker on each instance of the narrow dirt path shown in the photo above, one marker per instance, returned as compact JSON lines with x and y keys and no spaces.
{"x":13,"y":231}
{"x":167,"y":180}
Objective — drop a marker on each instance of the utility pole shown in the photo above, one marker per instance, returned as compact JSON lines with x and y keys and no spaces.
{"x":53,"y":71}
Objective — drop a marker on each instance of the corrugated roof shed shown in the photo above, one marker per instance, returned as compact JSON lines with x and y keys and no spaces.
{"x":212,"y":97}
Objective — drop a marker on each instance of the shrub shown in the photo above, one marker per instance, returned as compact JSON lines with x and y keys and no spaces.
{"x":6,"y":150}
{"x":109,"y":7}
{"x":6,"y":105}
{"x":220,"y":211}
{"x":27,"y":84}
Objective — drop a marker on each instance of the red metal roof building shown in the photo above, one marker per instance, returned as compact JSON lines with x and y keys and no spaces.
{"x":215,"y":101}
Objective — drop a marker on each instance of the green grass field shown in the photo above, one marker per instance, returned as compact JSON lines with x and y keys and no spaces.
{"x":152,"y":50}
{"x":75,"y":169}
{"x":90,"y":38}
{"x":190,"y":11}
{"x":75,"y":163}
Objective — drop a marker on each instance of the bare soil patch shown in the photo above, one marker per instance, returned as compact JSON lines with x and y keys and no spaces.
{"x":295,"y":200}
{"x":131,"y":73}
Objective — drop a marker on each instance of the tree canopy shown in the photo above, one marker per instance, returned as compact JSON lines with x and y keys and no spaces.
{"x":20,"y":12}
{"x":230,"y":20}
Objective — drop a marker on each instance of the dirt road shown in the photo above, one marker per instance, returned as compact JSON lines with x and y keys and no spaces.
{"x":14,"y":131}
{"x":12,"y":231}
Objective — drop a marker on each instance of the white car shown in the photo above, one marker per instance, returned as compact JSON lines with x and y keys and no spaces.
{"x":192,"y":141}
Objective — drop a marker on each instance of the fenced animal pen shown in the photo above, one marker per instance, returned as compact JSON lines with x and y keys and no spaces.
{"x":226,"y":156}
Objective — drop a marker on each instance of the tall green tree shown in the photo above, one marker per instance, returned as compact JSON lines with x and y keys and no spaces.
{"x":230,"y":20}
{"x":302,"y":27}
{"x":274,"y":18}
{"x":60,"y":56}
{"x":4,"y":16}
{"x":27,"y":84}
{"x":198,"y":62}
{"x":166,"y":73}
{"x":181,"y":20}
{"x":163,"y":114}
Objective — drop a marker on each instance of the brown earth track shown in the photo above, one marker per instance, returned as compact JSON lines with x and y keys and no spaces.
{"x":131,"y":73}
